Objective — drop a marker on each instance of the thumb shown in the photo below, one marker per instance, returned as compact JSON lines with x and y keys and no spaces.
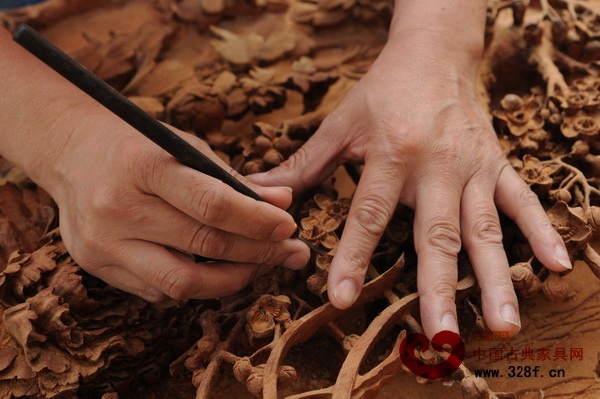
{"x":316,"y":160}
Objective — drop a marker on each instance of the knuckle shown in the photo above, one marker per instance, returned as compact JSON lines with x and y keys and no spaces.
{"x":209,"y":203}
{"x":487,"y":229}
{"x":178,"y":283}
{"x":92,"y":243}
{"x":530,"y":202}
{"x":267,"y":255}
{"x":445,"y":154}
{"x":499,"y":286}
{"x":104,"y":203}
{"x":443,"y":236}
{"x":443,"y":290}
{"x":373,"y":216}
{"x":356,"y":265}
{"x":87,"y":241}
{"x":527,"y":197}
{"x":151,"y":295}
{"x":208,"y":242}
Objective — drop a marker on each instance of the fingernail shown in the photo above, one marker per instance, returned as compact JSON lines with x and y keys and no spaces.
{"x":296,"y":261}
{"x":509,"y":314}
{"x":283,"y":231}
{"x":449,"y":323}
{"x":345,"y":293}
{"x":562,"y":256}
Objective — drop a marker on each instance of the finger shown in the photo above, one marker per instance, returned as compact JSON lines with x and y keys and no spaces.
{"x":124,"y":280}
{"x":482,"y":237}
{"x":212,"y":202}
{"x":170,"y":227}
{"x":316,"y":160}
{"x":179,"y":277}
{"x":518,"y":202}
{"x":437,"y":242}
{"x":372,"y":208}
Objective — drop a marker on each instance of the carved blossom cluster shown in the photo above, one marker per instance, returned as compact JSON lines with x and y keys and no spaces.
{"x":63,"y":329}
{"x":266,"y":314}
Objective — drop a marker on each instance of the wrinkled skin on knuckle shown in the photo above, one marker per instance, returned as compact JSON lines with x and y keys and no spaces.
{"x":372,"y":215}
{"x":209,"y":203}
{"x":442,"y":236}
{"x":207,"y":242}
{"x":527,"y":197}
{"x":152,"y":296}
{"x":177,"y":283}
{"x":440,"y":291}
{"x":445,"y":154}
{"x":93,"y":241}
{"x":500,"y":283}
{"x":486,"y":229}
{"x":105,"y":203}
{"x":355,"y":267}
{"x":267,"y":255}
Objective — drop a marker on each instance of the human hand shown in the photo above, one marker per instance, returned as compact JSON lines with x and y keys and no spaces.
{"x":415,"y":122}
{"x":124,"y":201}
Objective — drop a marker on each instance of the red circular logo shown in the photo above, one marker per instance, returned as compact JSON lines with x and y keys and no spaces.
{"x":416,"y":341}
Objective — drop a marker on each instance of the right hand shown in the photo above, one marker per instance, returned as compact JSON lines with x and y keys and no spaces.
{"x":125,"y":204}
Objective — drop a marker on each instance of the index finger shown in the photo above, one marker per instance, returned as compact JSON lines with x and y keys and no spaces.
{"x":215,"y":204}
{"x":372,"y":208}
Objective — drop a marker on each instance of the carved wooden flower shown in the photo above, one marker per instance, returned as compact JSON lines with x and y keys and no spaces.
{"x":321,"y":231}
{"x":317,"y":283}
{"x":583,"y":93}
{"x":537,"y":173}
{"x":333,"y":208}
{"x":196,"y":108}
{"x":574,"y":231}
{"x":316,"y":234}
{"x":247,"y":49}
{"x":269,"y":148}
{"x":524,"y":280}
{"x":265,"y":314}
{"x":581,"y":124}
{"x":520,"y":115}
{"x":308,"y":79}
{"x":264,"y":94}
{"x":555,"y":288}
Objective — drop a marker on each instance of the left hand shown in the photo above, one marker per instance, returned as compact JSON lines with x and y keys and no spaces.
{"x":415,"y":122}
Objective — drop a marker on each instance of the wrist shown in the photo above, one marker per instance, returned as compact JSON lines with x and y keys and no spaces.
{"x":450,"y":31}
{"x":57,"y":130}
{"x":40,"y":112}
